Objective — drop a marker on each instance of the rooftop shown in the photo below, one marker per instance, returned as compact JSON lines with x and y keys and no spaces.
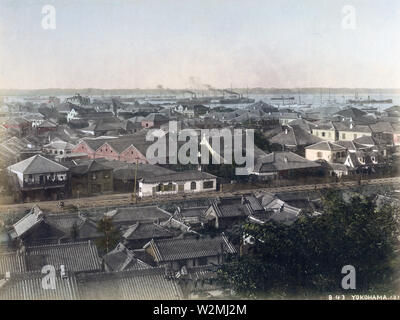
{"x":37,"y":164}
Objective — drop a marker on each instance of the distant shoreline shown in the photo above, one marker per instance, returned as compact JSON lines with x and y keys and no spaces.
{"x":94,"y":91}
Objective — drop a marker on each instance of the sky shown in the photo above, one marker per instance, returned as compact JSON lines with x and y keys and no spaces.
{"x":113,"y":44}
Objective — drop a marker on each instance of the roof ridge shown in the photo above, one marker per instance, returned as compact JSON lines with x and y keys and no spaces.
{"x":62,"y":244}
{"x":30,"y":163}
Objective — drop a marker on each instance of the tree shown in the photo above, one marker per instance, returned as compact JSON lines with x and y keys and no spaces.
{"x":261,"y":141}
{"x":306,"y":258}
{"x":111,"y":234}
{"x":74,"y":231}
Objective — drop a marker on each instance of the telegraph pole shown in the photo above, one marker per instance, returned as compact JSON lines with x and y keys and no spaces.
{"x":134,"y":183}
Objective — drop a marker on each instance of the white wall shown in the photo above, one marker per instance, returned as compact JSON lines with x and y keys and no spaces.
{"x":146,"y":189}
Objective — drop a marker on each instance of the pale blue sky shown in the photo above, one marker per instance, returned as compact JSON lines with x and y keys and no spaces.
{"x":143,"y":43}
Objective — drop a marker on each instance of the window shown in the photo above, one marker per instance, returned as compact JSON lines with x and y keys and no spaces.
{"x":208,"y":184}
{"x":94,"y":177}
{"x":343,"y":136}
{"x":193,"y":185}
{"x":202,"y":261}
{"x":329,"y":134}
{"x":319,"y":154}
{"x":323,"y":134}
{"x":106,"y":175}
{"x":355,"y":136}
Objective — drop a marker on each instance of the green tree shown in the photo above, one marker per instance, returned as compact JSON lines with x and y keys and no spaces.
{"x":110,"y":234}
{"x":74,"y":231}
{"x":306,"y":258}
{"x":261,"y":141}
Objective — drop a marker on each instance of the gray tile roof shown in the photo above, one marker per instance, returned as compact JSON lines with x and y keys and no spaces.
{"x":28,"y":286}
{"x":369,"y":141}
{"x":381,"y":126}
{"x":89,"y":166}
{"x":37,"y":164}
{"x":78,"y":256}
{"x":279,"y":161}
{"x":12,"y":262}
{"x":180,"y":249}
{"x":146,"y":231}
{"x":127,"y":172}
{"x":326,"y":145}
{"x":350,"y":145}
{"x":150,"y":284}
{"x":121,"y":259}
{"x":294,"y":136}
{"x":180,"y":176}
{"x":139,"y":214}
{"x":351,"y":113}
{"x":34,"y":217}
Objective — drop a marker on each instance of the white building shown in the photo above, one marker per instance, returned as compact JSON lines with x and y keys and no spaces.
{"x":177,"y":183}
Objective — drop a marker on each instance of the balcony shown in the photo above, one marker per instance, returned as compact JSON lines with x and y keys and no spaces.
{"x":44,"y":184}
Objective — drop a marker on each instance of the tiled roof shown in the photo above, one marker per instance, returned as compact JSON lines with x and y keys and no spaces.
{"x":368,"y":140}
{"x":150,"y":284}
{"x":326,"y":145}
{"x":180,"y":176}
{"x":89,"y":166}
{"x":121,"y":258}
{"x":231,"y":207}
{"x":78,"y":256}
{"x":179,"y":249}
{"x":139,"y":214}
{"x":146,"y":231}
{"x":59,"y":144}
{"x":47,"y":124}
{"x":12,"y":262}
{"x":381,"y":127}
{"x":37,"y":164}
{"x":143,"y":171}
{"x":34,"y":217}
{"x":295,"y":136}
{"x":351,"y":113}
{"x":28,"y":286}
{"x":155,"y":117}
{"x":278,"y":161}
{"x":349,"y":145}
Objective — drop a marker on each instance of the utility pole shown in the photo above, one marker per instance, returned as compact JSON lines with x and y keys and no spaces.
{"x":134,"y":183}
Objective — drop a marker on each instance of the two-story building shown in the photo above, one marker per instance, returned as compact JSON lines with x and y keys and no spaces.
{"x":91,"y":177}
{"x":325,"y":130}
{"x":326,"y":150}
{"x":39,"y":178}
